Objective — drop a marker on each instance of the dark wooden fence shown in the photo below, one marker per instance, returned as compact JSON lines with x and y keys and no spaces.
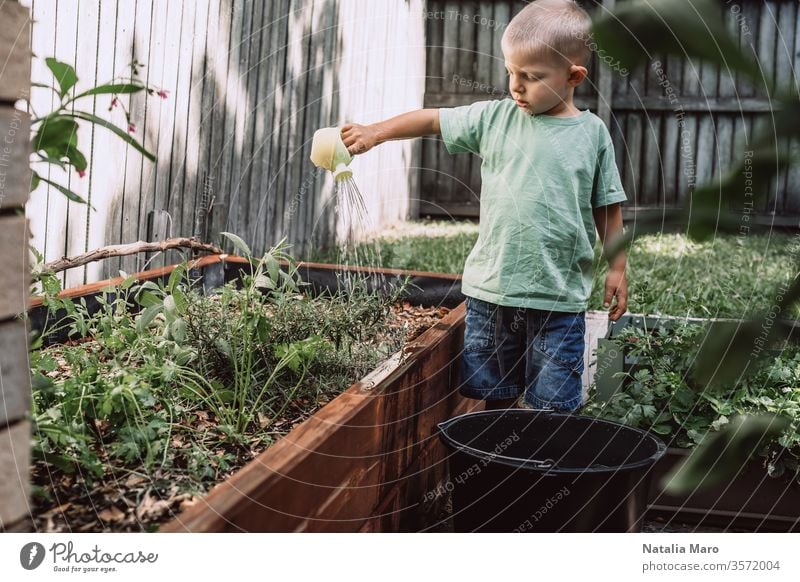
{"x":664,"y":145}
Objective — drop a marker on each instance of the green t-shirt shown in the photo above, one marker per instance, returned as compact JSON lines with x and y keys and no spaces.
{"x":541,"y":176}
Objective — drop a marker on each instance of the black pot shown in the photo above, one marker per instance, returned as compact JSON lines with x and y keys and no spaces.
{"x":529,"y":470}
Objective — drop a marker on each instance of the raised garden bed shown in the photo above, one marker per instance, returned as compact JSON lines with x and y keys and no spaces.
{"x":365,"y":460}
{"x":752,"y":500}
{"x":611,"y":361}
{"x":765,"y":494}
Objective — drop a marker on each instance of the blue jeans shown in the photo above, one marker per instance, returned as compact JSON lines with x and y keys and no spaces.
{"x":511,"y":350}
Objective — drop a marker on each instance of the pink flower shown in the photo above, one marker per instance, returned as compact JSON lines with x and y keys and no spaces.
{"x":131,"y":128}
{"x":163,"y":94}
{"x":81,"y":173}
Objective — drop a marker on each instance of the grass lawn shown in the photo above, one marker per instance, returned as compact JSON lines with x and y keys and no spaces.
{"x":667,"y":273}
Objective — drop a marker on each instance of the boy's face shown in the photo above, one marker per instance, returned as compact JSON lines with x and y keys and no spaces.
{"x":541,"y":85}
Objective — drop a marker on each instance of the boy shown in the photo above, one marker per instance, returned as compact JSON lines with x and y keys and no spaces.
{"x":548,"y":180}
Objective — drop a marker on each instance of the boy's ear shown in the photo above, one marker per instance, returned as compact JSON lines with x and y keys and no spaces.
{"x":577,"y":74}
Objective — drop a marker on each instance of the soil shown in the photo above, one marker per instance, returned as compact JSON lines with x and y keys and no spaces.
{"x":128,"y":501}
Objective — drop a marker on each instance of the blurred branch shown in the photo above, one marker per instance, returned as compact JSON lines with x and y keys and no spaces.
{"x":130,"y":249}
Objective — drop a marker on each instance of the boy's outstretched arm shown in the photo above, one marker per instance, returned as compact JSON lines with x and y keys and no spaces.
{"x":608,"y":220}
{"x":362,"y":138}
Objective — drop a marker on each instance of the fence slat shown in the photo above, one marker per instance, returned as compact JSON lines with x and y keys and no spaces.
{"x":264,"y":116}
{"x":14,"y":278}
{"x":632,"y":169}
{"x":15,"y":390}
{"x":651,"y":161}
{"x":101,"y":181}
{"x":670,"y":130}
{"x":217,"y":148}
{"x":15,"y":52}
{"x":205,"y":172}
{"x":79,"y":214}
{"x":15,"y":177}
{"x":14,"y":484}
{"x":249,"y":182}
{"x":279,"y":29}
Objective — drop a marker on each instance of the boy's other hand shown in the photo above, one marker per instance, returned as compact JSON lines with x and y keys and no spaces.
{"x":616,"y":286}
{"x":359,"y":138}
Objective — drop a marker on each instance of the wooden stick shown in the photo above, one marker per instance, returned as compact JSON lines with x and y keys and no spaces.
{"x":130,"y":249}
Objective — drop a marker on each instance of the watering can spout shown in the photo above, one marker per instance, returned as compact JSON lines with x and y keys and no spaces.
{"x":329,"y":152}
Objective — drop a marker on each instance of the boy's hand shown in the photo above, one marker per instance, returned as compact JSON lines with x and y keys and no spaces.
{"x":359,"y":138}
{"x":616,"y":285}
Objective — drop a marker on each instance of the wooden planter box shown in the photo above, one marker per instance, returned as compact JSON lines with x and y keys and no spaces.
{"x":752,"y":500}
{"x":365,"y":461}
{"x":610,"y":360}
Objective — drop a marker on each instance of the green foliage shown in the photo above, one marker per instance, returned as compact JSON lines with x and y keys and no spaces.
{"x":661,"y":395}
{"x":633,"y":33}
{"x":64,"y":74}
{"x":719,"y":460}
{"x":161,"y":363}
{"x":55,"y":135}
{"x":667,"y":273}
{"x":440,"y":247}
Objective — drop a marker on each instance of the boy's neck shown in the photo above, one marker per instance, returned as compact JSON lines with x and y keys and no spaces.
{"x":564,"y":109}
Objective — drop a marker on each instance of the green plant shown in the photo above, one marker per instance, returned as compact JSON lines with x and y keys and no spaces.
{"x":632,"y":33}
{"x":668,"y":272}
{"x":661,"y":395}
{"x":55,"y":135}
{"x":164,"y":382}
{"x":436,"y":246}
{"x":107,"y":390}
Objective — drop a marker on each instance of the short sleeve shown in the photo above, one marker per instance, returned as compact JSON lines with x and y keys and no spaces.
{"x":462,"y":127}
{"x":607,"y":188}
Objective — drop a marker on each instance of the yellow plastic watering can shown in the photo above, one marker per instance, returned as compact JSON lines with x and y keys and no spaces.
{"x":328,"y":151}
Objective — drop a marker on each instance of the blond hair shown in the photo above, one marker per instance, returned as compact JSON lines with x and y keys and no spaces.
{"x":550,"y":29}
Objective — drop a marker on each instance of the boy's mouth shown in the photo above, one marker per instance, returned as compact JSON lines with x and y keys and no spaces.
{"x":520,"y":102}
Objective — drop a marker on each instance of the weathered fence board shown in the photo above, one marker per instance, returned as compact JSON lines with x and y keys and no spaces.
{"x":15,"y":52}
{"x":15,"y":455}
{"x":15,"y":176}
{"x":15,"y":384}
{"x":14,"y":276}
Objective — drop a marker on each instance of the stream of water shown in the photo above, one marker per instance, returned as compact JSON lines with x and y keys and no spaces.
{"x":353,"y":220}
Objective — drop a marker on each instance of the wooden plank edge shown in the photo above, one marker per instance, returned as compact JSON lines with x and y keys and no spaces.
{"x":96,"y":287}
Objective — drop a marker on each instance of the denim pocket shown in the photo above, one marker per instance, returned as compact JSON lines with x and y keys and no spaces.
{"x":562,"y":338}
{"x":480,"y":325}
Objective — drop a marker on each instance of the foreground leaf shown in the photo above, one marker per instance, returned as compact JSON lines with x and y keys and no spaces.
{"x":65,"y":74}
{"x":722,"y":454}
{"x":237,"y":241}
{"x":636,"y":31}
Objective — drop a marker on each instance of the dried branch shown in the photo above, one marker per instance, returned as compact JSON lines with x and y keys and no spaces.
{"x":193,"y":243}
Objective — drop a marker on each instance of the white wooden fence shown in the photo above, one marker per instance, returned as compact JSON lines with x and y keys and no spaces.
{"x":249,"y":82}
